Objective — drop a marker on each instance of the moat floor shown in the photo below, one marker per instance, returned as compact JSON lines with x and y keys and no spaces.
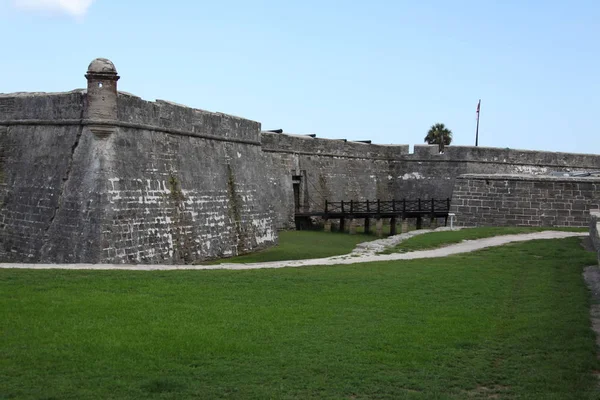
{"x":361,"y":254}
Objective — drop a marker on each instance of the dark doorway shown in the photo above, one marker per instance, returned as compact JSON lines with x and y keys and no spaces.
{"x":296,"y":181}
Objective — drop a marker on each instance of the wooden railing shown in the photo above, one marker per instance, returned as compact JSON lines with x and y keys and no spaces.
{"x":375,"y":207}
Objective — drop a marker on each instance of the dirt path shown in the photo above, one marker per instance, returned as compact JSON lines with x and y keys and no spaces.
{"x":363,"y":253}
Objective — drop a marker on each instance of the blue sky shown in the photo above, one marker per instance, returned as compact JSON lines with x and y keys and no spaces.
{"x":379,"y":70}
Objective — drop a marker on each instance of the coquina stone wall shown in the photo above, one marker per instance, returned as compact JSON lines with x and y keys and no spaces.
{"x":426,"y":173}
{"x":518,"y":200}
{"x":338,"y":170}
{"x":98,"y":175}
{"x":92,"y":176}
{"x":331,"y":170}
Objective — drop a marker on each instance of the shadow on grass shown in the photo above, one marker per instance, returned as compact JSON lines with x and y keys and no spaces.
{"x":301,"y":245}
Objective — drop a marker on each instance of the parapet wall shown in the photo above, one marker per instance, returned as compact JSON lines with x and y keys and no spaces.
{"x":309,"y":146}
{"x":517,"y":200}
{"x":543,"y":161}
{"x":52,"y":108}
{"x":426,"y":173}
{"x":180,"y":120}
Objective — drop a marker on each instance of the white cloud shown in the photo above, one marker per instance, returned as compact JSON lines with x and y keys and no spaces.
{"x":75,"y":8}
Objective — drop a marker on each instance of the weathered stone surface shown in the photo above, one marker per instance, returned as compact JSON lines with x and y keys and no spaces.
{"x":425,"y":173}
{"x":595,"y":230}
{"x":35,"y":165}
{"x":102,"y":66}
{"x":338,"y":170}
{"x":169,"y":184}
{"x":42,"y":106}
{"x":519,"y":200}
{"x":183,"y":198}
{"x":98,"y":175}
{"x":101,"y":93}
{"x":328,"y":170}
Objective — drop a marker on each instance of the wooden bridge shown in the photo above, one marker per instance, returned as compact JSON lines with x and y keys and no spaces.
{"x":379,"y":210}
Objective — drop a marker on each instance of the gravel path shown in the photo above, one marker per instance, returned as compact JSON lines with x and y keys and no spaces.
{"x":365,"y":252}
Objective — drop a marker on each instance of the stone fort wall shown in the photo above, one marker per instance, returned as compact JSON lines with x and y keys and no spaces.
{"x":102,"y":176}
{"x":153,"y":183}
{"x":518,"y":200}
{"x":434,"y":174}
{"x":338,"y":170}
{"x":331,"y":170}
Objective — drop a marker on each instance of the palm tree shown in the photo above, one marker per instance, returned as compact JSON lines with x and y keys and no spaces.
{"x":440,"y":135}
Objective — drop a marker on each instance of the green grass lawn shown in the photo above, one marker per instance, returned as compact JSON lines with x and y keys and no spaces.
{"x":510,"y":323}
{"x":437,"y":239}
{"x":300,"y":245}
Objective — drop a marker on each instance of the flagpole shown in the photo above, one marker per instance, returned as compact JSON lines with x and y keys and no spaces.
{"x":477,"y":130}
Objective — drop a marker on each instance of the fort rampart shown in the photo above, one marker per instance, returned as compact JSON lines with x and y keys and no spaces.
{"x":342,"y":170}
{"x":98,"y":175}
{"x":518,"y":200}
